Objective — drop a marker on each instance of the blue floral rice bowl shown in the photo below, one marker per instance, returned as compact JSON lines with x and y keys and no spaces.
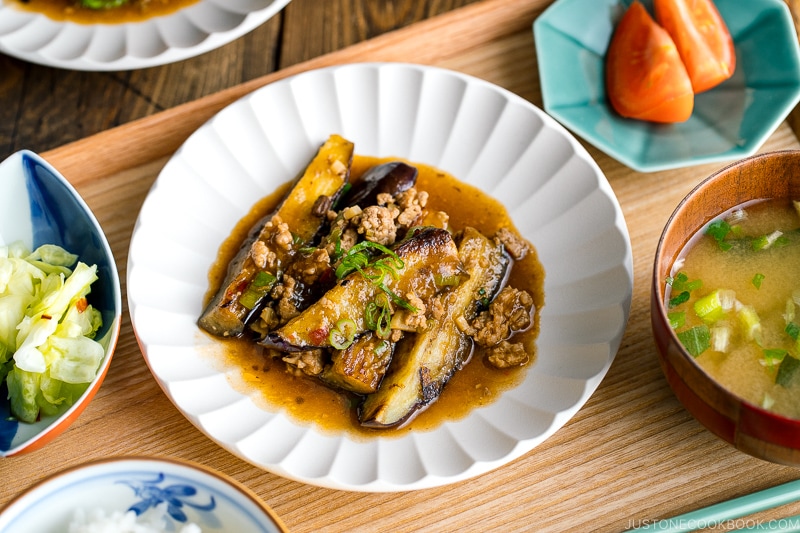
{"x":139,"y":494}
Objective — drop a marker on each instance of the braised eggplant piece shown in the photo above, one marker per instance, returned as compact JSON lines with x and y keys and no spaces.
{"x":359,"y":367}
{"x":392,"y":178}
{"x":273,"y":241}
{"x":418,"y":265}
{"x":424,"y":362}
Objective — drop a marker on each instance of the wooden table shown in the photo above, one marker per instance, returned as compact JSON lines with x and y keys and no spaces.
{"x":631,"y":455}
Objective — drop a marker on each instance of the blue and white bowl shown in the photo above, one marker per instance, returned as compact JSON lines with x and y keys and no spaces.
{"x":176,"y":492}
{"x":39,"y":206}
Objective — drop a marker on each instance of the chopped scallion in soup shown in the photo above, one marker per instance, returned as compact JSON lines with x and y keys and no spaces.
{"x":733,"y":299}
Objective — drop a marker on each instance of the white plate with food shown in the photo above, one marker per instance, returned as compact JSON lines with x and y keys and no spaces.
{"x":103,"y":41}
{"x":497,"y":145}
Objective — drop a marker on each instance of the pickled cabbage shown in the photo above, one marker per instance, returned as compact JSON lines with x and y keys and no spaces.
{"x":48,"y":355}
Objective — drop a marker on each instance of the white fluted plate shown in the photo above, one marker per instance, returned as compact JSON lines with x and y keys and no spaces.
{"x":482,"y":134}
{"x":190,"y":31}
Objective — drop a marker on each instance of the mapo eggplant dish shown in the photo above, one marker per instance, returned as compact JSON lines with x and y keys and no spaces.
{"x":360,"y":282}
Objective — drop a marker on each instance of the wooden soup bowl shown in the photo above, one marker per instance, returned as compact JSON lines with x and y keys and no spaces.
{"x":746,"y":426}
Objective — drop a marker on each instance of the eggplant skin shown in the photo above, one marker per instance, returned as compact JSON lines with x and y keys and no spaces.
{"x":429,"y":256}
{"x":393,"y":178}
{"x":326,"y":175}
{"x":424,"y":362}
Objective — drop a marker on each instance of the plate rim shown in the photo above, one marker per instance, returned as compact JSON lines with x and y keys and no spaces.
{"x":478,"y":466}
{"x":147,"y":463}
{"x":170,"y":55}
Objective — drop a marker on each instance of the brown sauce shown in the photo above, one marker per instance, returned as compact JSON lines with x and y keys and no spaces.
{"x":306,"y":400}
{"x":132,"y":11}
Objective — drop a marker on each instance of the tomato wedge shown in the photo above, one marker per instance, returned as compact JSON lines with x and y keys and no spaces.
{"x":645,"y":77}
{"x":702,"y":38}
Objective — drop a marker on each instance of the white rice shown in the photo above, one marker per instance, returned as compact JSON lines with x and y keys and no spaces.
{"x":98,"y":521}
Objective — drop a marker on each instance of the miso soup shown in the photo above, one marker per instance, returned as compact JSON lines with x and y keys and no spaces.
{"x":733,"y":298}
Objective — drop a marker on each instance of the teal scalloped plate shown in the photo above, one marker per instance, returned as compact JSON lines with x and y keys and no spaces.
{"x":729,"y":122}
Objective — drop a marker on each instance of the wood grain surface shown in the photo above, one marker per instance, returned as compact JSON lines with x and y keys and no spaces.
{"x":631,"y":456}
{"x":42,"y":108}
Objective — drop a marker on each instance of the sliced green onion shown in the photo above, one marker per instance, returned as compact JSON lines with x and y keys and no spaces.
{"x":677,"y":319}
{"x":351,"y":262}
{"x":720,"y":338}
{"x":793,"y":330}
{"x":102,"y":4}
{"x":681,"y":282}
{"x":343,"y":334}
{"x":773,"y":356}
{"x":765,"y":241}
{"x":261,"y":285}
{"x":397,"y":300}
{"x":336,"y":237}
{"x":757,"y":279}
{"x":696,"y":340}
{"x":718,"y":230}
{"x":378,"y":317}
{"x":484,"y":301}
{"x":750,"y":322}
{"x":381,"y":348}
{"x":358,"y":258}
{"x":767,"y":402}
{"x":447,"y":281}
{"x":342,"y":194}
{"x":714,"y":305}
{"x":679,"y":299}
{"x":787,"y":371}
{"x":789,"y":311}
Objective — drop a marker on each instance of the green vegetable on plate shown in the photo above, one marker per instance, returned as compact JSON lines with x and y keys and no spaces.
{"x":48,"y":355}
{"x":102,"y":4}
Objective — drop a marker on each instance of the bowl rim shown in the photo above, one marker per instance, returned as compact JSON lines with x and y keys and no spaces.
{"x":658,"y":312}
{"x":63,"y":421}
{"x":170,"y":461}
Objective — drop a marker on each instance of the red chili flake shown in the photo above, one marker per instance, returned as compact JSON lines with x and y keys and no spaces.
{"x":318,"y":335}
{"x":46,"y":317}
{"x":81,"y":305}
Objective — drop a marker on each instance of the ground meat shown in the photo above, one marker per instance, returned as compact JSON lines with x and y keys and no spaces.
{"x":284,"y":293}
{"x":411,"y":197}
{"x":411,"y":204}
{"x":262,"y":255}
{"x":411,"y":320}
{"x":437,"y":307}
{"x":348,"y":239}
{"x":384,"y":198}
{"x":309,"y":268}
{"x":506,"y":355}
{"x":279,"y":233}
{"x":309,"y":362}
{"x":268,"y":320}
{"x":510,"y":311}
{"x":341,"y":236}
{"x":516,"y":246}
{"x":377,"y":225}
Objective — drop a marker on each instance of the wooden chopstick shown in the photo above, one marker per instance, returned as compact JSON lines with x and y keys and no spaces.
{"x":717,"y":514}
